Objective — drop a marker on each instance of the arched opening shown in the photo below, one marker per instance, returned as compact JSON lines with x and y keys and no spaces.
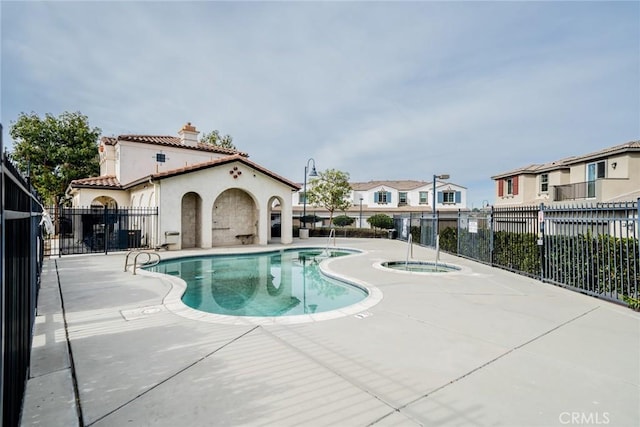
{"x":275,"y":218}
{"x":104,"y":202}
{"x":191,"y":220}
{"x":234,"y":218}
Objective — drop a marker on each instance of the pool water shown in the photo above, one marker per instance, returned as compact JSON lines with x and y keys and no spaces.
{"x":420,"y":266}
{"x":283,"y":283}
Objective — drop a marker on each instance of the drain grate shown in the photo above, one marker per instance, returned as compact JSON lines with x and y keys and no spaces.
{"x":362,"y":315}
{"x":142,"y":312}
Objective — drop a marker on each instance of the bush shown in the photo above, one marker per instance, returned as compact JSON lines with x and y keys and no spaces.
{"x":381,"y":221}
{"x":342,"y":232}
{"x":343,"y":220}
{"x":449,"y":240}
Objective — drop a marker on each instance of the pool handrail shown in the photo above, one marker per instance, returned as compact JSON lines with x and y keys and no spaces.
{"x":137,"y":253}
{"x":331,"y":233}
{"x":409,"y":248}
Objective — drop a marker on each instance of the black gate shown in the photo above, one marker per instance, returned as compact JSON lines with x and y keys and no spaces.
{"x":104,"y":229}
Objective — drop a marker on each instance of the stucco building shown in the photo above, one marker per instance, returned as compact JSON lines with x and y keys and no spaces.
{"x":393,"y":198}
{"x":608,"y":175}
{"x":205,"y":195}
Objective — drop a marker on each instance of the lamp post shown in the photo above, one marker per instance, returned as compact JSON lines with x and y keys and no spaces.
{"x":433,"y":226}
{"x":304,"y":206}
{"x":360,"y":223}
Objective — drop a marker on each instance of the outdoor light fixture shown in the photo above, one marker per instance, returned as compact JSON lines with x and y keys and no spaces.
{"x":312,"y":173}
{"x":360,"y":223}
{"x":435,"y":214}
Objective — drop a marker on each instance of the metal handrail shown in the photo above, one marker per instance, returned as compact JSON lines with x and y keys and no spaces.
{"x":409,"y":248}
{"x":147,"y":263}
{"x":331,"y":233}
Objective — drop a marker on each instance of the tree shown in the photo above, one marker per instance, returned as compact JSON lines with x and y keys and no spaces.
{"x":54,"y":151}
{"x":330,"y":190}
{"x":381,"y":221}
{"x":343,"y":220}
{"x":214,"y":138}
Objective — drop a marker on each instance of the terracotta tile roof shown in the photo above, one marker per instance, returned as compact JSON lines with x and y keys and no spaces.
{"x":616,"y":149}
{"x":210,"y":164}
{"x":170,"y":141}
{"x":400,"y":185}
{"x":106,"y":182}
{"x":568,"y":161}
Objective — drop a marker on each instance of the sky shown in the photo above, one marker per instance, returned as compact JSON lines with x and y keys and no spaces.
{"x":380,"y":90}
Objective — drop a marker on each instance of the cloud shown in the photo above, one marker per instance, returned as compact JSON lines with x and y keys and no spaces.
{"x":380,"y":90}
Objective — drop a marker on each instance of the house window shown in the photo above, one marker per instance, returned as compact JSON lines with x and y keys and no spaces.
{"x":301,"y":198}
{"x":402,"y":198}
{"x":508,"y":187}
{"x":595,"y":170}
{"x":448,"y":197}
{"x":544,"y":183}
{"x":424,"y":197}
{"x":161,"y":157}
{"x":382,"y":197}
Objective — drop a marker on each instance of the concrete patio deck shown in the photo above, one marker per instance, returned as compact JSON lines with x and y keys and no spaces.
{"x":479,"y":347}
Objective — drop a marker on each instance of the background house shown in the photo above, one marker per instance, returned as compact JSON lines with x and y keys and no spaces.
{"x":608,"y":175}
{"x":205,"y":195}
{"x":393,"y":198}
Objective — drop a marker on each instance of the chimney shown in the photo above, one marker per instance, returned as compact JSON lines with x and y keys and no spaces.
{"x":189,"y":135}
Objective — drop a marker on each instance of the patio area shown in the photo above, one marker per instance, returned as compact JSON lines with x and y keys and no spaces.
{"x":481,"y":346}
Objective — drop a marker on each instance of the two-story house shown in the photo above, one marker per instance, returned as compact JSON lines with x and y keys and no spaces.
{"x":403,"y":197}
{"x":205,"y":195}
{"x":608,"y":175}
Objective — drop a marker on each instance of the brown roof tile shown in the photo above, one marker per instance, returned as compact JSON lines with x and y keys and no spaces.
{"x":401,"y":185}
{"x":170,"y":141}
{"x":566,"y":162}
{"x":213,"y":163}
{"x":107,"y":182}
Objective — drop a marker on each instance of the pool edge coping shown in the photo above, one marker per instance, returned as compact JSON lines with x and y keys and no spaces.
{"x":172,"y":301}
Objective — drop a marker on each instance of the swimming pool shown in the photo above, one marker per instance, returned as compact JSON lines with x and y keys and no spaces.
{"x":267,"y":284}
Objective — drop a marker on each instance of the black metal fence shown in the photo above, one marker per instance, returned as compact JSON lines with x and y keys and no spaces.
{"x":99,"y":229}
{"x":593,"y":249}
{"x":21,"y":252}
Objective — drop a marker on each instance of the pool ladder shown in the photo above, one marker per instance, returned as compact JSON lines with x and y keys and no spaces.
{"x":147,"y":263}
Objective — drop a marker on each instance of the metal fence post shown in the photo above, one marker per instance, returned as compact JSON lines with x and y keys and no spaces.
{"x":458,"y":233}
{"x":57,"y":233}
{"x":2,"y":280}
{"x":491,"y":231}
{"x":541,"y":239}
{"x":105,"y":234}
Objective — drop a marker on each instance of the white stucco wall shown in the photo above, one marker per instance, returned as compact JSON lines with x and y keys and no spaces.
{"x":87,"y":195}
{"x":413,"y":196}
{"x":209,"y":184}
{"x":135,"y":160}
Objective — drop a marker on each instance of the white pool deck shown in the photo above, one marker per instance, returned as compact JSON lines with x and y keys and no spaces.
{"x":481,"y":347}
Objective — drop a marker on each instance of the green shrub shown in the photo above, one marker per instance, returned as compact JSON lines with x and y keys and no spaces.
{"x":343,"y":220}
{"x":381,"y":221}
